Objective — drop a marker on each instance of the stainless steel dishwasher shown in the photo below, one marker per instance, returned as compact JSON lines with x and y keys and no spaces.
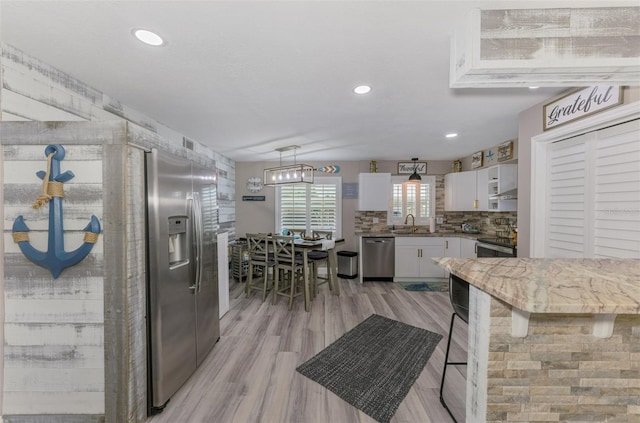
{"x":378,"y":258}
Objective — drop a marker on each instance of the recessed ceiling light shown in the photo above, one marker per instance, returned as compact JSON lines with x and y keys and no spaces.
{"x":533,"y":88}
{"x":148,"y":37}
{"x":362,"y":89}
{"x":451,"y":135}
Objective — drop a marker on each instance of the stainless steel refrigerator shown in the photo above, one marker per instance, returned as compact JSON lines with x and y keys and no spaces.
{"x":182,"y":311}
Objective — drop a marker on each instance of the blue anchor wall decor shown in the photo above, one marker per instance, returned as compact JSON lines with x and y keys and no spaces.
{"x":55,"y":258}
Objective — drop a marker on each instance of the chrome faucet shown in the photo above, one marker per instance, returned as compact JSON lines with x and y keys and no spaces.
{"x":413,"y":222}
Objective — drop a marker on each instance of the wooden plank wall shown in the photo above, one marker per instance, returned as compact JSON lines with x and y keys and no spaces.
{"x":56,"y":330}
{"x":561,"y":46}
{"x":33,"y":90}
{"x":125,"y":282}
{"x":560,"y":34}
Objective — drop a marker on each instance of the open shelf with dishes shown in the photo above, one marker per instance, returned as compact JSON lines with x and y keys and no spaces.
{"x":502,"y":184}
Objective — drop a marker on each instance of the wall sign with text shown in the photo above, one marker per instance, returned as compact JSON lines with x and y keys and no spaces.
{"x":581,"y":103}
{"x":409,"y":167}
{"x":253,"y":198}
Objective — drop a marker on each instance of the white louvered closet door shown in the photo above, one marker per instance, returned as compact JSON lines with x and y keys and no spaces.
{"x":593,"y":206}
{"x":567,"y":185}
{"x":617,"y":192}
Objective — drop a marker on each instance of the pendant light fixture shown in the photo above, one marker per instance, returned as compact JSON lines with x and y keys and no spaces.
{"x":415,"y":177}
{"x":291,"y":174}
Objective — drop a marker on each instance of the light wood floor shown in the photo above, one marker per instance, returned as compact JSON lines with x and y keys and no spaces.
{"x":250,"y":376}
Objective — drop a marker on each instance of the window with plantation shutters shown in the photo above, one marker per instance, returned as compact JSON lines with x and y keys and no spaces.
{"x":412,"y":198}
{"x":293,"y":206}
{"x":593,"y":206}
{"x":310,"y":207}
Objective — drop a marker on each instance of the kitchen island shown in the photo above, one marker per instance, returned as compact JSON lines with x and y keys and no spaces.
{"x":552,"y":339}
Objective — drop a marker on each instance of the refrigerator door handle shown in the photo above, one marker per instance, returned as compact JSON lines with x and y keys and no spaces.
{"x":191,"y":212}
{"x":197,"y":212}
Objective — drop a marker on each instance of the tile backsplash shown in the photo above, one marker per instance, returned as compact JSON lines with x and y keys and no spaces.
{"x":452,"y":221}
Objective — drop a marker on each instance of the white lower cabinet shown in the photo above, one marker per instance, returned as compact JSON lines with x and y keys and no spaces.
{"x":452,"y":247}
{"x":413,"y":257}
{"x":467,"y":248}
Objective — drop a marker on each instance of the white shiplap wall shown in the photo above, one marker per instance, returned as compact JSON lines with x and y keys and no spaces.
{"x":55,"y":329}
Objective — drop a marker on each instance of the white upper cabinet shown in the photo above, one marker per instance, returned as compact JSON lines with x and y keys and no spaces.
{"x":466,"y":191}
{"x":374,"y":191}
{"x":460,"y":191}
{"x":482,"y":192}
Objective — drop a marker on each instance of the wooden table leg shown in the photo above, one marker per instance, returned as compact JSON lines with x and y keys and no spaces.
{"x":305,"y":269}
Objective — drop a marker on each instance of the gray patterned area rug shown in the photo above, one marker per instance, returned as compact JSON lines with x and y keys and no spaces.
{"x":373,"y":366}
{"x":428,"y":286}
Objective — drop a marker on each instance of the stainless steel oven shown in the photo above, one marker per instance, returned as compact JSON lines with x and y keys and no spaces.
{"x":493,"y":249}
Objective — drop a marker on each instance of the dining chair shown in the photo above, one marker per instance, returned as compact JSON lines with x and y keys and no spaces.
{"x":289,"y":274}
{"x":459,"y":297}
{"x":318,"y":258}
{"x":300,"y":233}
{"x":260,"y":261}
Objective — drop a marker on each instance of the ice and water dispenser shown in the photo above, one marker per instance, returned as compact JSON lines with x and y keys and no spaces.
{"x":178,"y":242}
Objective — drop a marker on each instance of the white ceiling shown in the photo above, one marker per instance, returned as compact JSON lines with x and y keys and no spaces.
{"x":248,"y":77}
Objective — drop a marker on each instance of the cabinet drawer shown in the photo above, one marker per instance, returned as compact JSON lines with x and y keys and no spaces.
{"x":420,"y":241}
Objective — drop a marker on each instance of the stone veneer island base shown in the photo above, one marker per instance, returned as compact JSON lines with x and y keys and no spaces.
{"x":552,"y":339}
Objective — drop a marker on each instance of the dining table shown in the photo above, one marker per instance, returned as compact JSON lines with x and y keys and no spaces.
{"x":319,"y":244}
{"x":306,"y":245}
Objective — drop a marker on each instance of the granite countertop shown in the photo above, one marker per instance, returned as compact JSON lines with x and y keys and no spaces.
{"x":420,"y":234}
{"x":594,"y":286}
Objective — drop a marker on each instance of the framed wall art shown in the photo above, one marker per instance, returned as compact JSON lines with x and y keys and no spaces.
{"x":505,"y":151}
{"x":476,"y":160}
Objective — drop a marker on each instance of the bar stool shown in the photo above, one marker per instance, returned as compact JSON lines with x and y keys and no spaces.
{"x":289,"y":271}
{"x":317,"y":258}
{"x":459,"y":296}
{"x":259,"y":257}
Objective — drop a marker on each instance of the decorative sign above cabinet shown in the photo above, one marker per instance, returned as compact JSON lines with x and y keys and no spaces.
{"x":505,"y":151}
{"x":581,"y":103}
{"x":408,"y":167}
{"x":476,"y":160}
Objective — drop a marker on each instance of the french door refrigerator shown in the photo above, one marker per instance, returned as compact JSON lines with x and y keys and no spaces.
{"x":182,"y":304}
